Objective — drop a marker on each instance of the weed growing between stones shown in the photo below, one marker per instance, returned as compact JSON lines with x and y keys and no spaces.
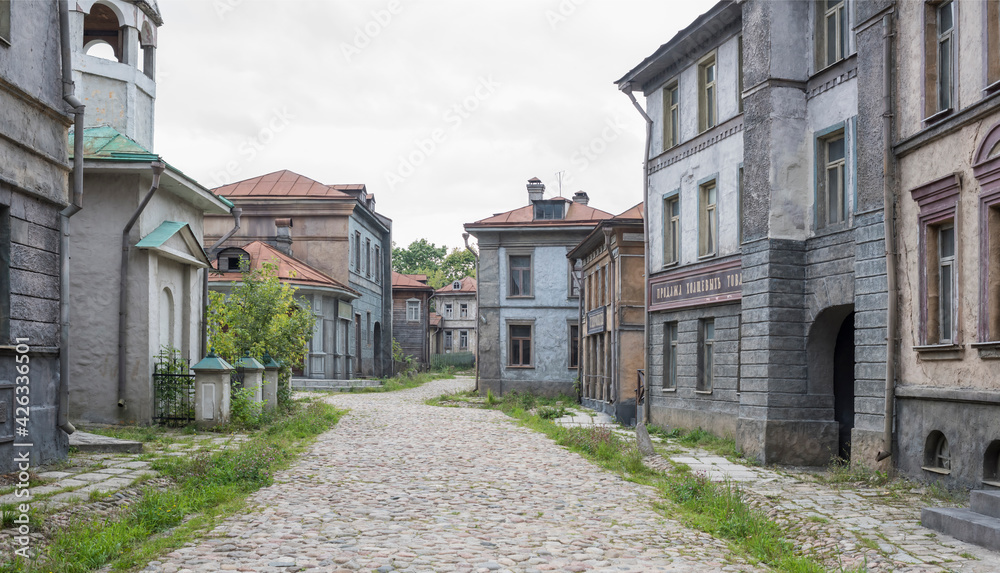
{"x":207,"y":487}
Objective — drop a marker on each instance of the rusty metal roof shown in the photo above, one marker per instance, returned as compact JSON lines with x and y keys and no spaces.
{"x":576,"y":214}
{"x":290,"y":269}
{"x":283,"y":183}
{"x":468,"y":287}
{"x":635,"y":212}
{"x":407,"y":282}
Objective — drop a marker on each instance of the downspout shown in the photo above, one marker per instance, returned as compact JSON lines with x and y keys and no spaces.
{"x":236,"y":212}
{"x":581,"y":370}
{"x":612,"y":329}
{"x":158,"y":167}
{"x":888,"y":218}
{"x":475,"y":255}
{"x":627,"y":89}
{"x":76,"y":203}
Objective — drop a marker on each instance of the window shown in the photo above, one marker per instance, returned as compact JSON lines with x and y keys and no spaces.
{"x":671,"y":116}
{"x":671,"y":229}
{"x":739,"y":73}
{"x":575,"y":270}
{"x":937,"y":453}
{"x":413,"y":311}
{"x":520,"y":275}
{"x":520,"y":345}
{"x":574,"y":346}
{"x":5,"y":21}
{"x":939,"y":57}
{"x":707,"y":110}
{"x":378,"y":264}
{"x":545,"y":210}
{"x":670,"y":356}
{"x":447,"y":341}
{"x":357,"y":251}
{"x":706,"y":358}
{"x":368,"y":327}
{"x":831,"y":199}
{"x":463,"y":339}
{"x":939,"y":270}
{"x":457,"y":285}
{"x":447,"y":309}
{"x":985,"y":167}
{"x":993,"y":44}
{"x":941,"y":284}
{"x":368,"y":257}
{"x":463,"y":310}
{"x":708,"y":220}
{"x":834,"y":32}
{"x":5,"y":275}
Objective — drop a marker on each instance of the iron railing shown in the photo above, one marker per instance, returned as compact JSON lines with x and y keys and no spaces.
{"x":173,"y":391}
{"x":236,"y":378}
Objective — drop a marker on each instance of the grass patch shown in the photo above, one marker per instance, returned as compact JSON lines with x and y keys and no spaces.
{"x":154,"y":434}
{"x":719,"y":509}
{"x":207,"y":488}
{"x":725,"y":447}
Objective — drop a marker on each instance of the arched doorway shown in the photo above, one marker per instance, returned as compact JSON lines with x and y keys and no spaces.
{"x":843,"y":385}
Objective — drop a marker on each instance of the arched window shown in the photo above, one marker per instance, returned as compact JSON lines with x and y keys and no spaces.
{"x":233,"y":260}
{"x":937,"y":453}
{"x":166,"y":317}
{"x":101,"y":27}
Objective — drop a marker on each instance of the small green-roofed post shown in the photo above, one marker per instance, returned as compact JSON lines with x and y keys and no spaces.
{"x":211,"y":383}
{"x":269,"y":390}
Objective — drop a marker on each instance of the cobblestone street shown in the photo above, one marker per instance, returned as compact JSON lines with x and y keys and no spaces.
{"x":400,"y":486}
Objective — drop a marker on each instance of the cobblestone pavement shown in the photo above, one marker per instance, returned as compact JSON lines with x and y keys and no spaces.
{"x":399,"y":486}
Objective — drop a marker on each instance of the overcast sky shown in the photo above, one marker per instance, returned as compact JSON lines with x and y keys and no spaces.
{"x":444,"y":109}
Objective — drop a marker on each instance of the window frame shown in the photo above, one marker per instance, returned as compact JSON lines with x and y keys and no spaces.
{"x":938,"y":205}
{"x":739,"y":203}
{"x":448,"y":309}
{"x":672,"y":228}
{"x":449,"y":340}
{"x":934,"y":108}
{"x":574,"y":346}
{"x":841,"y":17}
{"x":521,"y":272}
{"x":530,"y":344}
{"x":706,"y":355}
{"x":368,"y":257}
{"x":708,"y":93}
{"x":821,"y":196}
{"x":986,"y":169}
{"x":671,"y":115}
{"x":739,"y":73}
{"x":357,"y":251}
{"x":378,"y":264}
{"x":708,"y":218}
{"x":463,"y":339}
{"x":669,"y":379}
{"x":463,"y":310}
{"x":413,"y":303}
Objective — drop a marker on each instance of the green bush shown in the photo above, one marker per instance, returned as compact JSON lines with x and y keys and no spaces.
{"x":245,"y":412}
{"x":456,"y":360}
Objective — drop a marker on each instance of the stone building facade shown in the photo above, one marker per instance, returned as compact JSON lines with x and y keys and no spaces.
{"x":455,"y":303}
{"x":780,"y":324}
{"x":609,"y":340}
{"x":527,"y":294}
{"x":947,"y":149}
{"x":34,"y":189}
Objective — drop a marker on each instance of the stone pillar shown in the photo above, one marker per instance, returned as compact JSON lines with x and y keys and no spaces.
{"x":253,"y":377}
{"x":269,"y":391}
{"x":211,"y":383}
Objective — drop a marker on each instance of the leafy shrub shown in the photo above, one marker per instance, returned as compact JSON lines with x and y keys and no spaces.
{"x":245,"y":411}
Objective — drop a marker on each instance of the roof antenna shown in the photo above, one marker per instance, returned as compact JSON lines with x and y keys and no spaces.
{"x":559,"y":178}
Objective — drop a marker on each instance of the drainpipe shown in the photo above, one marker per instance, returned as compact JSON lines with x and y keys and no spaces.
{"x":581,"y":370}
{"x":158,"y":167}
{"x":76,"y":203}
{"x":465,"y":237}
{"x":888,"y":217}
{"x":627,"y":89}
{"x":612,"y":330}
{"x":236,"y":212}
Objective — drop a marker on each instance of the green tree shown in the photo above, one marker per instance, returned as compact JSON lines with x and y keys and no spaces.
{"x":260,"y":316}
{"x":420,"y":257}
{"x":459,"y":263}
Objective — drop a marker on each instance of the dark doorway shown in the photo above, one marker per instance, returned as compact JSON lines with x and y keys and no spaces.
{"x":377,"y":350}
{"x":843,"y":385}
{"x":357,"y":344}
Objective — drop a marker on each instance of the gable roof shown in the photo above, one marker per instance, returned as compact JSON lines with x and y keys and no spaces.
{"x":468,"y":287}
{"x":175,"y":240}
{"x":290,"y":270}
{"x":635,"y":212}
{"x":283,"y":183}
{"x":407,"y":282}
{"x":576,"y":214}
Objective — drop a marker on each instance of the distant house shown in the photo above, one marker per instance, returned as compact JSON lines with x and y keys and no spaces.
{"x":411,"y":316}
{"x":336,"y":230}
{"x":329,"y":299}
{"x":124,"y":310}
{"x":527,"y":294}
{"x":456,"y":311}
{"x":612,"y":311}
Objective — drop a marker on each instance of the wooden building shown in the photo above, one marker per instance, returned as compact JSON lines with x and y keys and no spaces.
{"x":411,"y":316}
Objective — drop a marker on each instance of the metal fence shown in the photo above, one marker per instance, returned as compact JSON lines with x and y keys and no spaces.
{"x":236,"y":378}
{"x":173,"y":391}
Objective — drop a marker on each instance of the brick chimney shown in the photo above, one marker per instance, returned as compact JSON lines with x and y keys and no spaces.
{"x":536,"y":189}
{"x":283,"y":239}
{"x":581,"y":197}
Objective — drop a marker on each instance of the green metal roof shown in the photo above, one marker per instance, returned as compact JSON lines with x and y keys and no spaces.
{"x":212,"y":362}
{"x":166,"y":230}
{"x":105,"y":142}
{"x":250,"y":363}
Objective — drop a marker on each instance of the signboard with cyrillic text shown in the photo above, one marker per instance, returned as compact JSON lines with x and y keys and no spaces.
{"x":707,"y":285}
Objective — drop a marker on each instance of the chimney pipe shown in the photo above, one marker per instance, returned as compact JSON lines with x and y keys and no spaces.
{"x":536,"y":189}
{"x":283,"y":239}
{"x":581,"y":197}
